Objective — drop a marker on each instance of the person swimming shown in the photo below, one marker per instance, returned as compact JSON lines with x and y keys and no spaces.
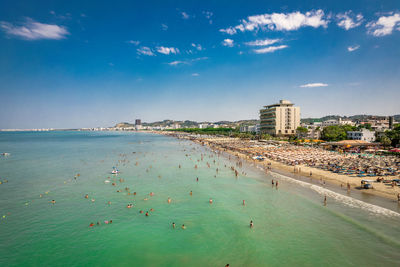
{"x":183,"y":227}
{"x":141,"y":211}
{"x":53,"y":202}
{"x":86,"y":196}
{"x":191,"y":193}
{"x":169,"y":200}
{"x":243,"y":202}
{"x":251,"y":224}
{"x":325,"y":200}
{"x":91,"y":224}
{"x":147,"y":213}
{"x":211,"y":201}
{"x":173,"y":225}
{"x":197,"y":179}
{"x":109,"y":202}
{"x":151,"y":209}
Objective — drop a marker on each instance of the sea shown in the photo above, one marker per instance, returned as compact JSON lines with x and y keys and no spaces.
{"x":291,"y":224}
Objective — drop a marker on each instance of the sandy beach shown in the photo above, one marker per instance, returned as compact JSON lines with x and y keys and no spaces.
{"x":247,"y":149}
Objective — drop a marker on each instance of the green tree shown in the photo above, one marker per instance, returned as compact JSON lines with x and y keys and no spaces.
{"x":302,"y":131}
{"x":334,"y":133}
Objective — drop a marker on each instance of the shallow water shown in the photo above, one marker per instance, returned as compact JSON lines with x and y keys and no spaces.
{"x":292,"y":227}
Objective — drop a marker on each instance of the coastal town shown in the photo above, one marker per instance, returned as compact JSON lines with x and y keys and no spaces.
{"x":357,"y":153}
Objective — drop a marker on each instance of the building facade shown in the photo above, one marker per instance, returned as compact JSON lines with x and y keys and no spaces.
{"x":364,"y":135}
{"x":280,"y":119}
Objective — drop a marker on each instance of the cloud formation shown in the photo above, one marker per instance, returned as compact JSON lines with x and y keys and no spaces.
{"x":228,"y":42}
{"x":353,"y":48}
{"x":195,"y":74}
{"x":264,"y":42}
{"x":167,"y":50}
{"x":185,"y":15}
{"x":164,"y":27}
{"x":186,"y":62}
{"x":32,"y":30}
{"x":269,"y":49}
{"x":146,"y":51}
{"x":208,"y":15}
{"x":384,"y":25}
{"x":348,"y":20}
{"x":280,"y":22}
{"x":133,"y":42}
{"x":197,"y":46}
{"x":311,"y":85}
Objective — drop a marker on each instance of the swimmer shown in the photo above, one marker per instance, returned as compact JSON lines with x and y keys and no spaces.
{"x":197,"y":179}
{"x":243,"y":202}
{"x":147,"y":213}
{"x":151,"y":194}
{"x":86,"y":196}
{"x":146,"y":198}
{"x":110,"y":221}
{"x":98,"y":223}
{"x":251,"y":224}
{"x":211,"y":201}
{"x":109,"y":202}
{"x":93,"y":200}
{"x":325,"y":200}
{"x":173,"y":225}
{"x":151,"y":209}
{"x":183,"y":227}
{"x":134,"y":193}
{"x":53,"y":202}
{"x":91,"y":224}
{"x":169,"y":200}
{"x":191,"y":193}
{"x":272,"y":182}
{"x":276,"y":184}
{"x":141,"y":211}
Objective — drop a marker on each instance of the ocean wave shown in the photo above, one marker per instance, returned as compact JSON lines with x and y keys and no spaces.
{"x":348,"y":201}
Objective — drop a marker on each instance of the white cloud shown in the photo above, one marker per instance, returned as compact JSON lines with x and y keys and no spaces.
{"x":146,"y":51}
{"x":228,"y":42}
{"x":208,"y":15}
{"x":353,"y":48}
{"x":167,"y":50}
{"x":263,"y":42}
{"x":197,"y":46}
{"x":133,"y":42}
{"x":164,"y":27}
{"x":186,"y":62}
{"x":280,"y":22}
{"x":269,"y":49}
{"x":32,"y":30}
{"x":195,"y":74}
{"x":348,"y":20}
{"x":384,"y":25}
{"x":311,"y":85}
{"x":185,"y":15}
{"x":177,"y":62}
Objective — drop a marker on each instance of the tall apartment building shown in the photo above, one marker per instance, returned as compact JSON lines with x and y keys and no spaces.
{"x":280,"y":119}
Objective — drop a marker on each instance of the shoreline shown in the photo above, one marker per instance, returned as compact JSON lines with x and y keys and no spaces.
{"x":299,"y":172}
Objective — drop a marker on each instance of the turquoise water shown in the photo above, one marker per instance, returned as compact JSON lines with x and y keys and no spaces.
{"x":292,"y":227}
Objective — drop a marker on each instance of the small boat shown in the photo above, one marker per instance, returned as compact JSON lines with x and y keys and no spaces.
{"x":115,"y":171}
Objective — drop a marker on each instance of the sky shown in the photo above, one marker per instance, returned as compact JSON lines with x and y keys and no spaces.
{"x":70,"y":64}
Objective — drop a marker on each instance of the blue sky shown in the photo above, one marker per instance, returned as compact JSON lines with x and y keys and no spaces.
{"x":96,"y":63}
